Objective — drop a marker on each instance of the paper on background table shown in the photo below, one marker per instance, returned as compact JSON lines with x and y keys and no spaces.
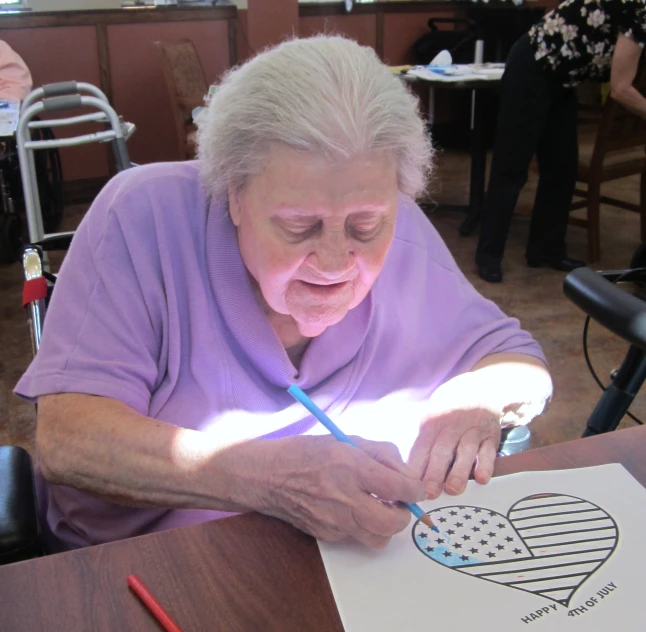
{"x":458,"y":73}
{"x":9,"y":118}
{"x":402,"y":588}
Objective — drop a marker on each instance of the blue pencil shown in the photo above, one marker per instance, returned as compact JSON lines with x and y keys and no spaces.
{"x":301,"y":397}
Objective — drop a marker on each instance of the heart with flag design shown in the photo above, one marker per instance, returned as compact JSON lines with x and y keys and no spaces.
{"x":547,"y":544}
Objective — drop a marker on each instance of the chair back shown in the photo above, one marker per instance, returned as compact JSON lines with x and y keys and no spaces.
{"x":619,"y":129}
{"x":618,"y":152}
{"x":187,"y":88}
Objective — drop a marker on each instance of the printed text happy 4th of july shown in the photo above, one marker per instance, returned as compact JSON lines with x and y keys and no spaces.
{"x":574,"y":612}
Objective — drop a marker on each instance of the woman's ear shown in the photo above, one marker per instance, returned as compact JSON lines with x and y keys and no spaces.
{"x":235,"y":210}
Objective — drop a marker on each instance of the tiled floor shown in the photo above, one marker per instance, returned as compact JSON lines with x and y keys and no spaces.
{"x":535,"y":296}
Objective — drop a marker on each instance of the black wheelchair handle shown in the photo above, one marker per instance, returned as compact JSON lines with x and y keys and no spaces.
{"x":57,"y":89}
{"x":621,"y":313}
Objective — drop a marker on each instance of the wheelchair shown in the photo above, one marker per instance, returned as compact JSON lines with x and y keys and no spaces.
{"x":19,"y":529}
{"x":598,"y":294}
{"x":49,"y":180}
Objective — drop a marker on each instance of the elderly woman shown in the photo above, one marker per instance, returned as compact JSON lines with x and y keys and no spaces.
{"x":290,"y":252}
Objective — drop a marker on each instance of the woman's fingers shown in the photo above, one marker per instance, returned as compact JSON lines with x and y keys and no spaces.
{"x":441,"y":457}
{"x":464,"y":440}
{"x":419,"y":455}
{"x":380,"y":519}
{"x":486,"y":460}
{"x":371,"y":540}
{"x":386,"y":483}
{"x":324,"y":487}
{"x":387,"y":454}
{"x":465,"y":456}
{"x":336,"y":492}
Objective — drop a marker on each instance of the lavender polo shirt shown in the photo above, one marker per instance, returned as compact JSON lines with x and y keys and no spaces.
{"x":153,"y":307}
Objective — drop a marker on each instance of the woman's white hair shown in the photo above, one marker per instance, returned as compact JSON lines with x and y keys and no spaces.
{"x":325,"y":94}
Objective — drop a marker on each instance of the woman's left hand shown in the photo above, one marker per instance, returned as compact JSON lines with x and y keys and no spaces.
{"x":460,"y":431}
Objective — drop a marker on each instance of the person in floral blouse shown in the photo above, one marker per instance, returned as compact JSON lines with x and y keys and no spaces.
{"x":580,"y":40}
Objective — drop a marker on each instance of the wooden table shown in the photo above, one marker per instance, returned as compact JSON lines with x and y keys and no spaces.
{"x":244,"y":573}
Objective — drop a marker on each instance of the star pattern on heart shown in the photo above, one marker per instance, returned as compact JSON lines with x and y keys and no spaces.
{"x":547,"y":544}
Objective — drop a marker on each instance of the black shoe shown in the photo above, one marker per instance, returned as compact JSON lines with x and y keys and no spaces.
{"x":564,"y":264}
{"x":490,"y":272}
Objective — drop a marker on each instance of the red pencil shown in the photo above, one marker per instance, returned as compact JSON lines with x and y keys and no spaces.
{"x":153,"y":605}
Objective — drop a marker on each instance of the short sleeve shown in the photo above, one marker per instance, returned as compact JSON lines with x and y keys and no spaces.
{"x":102,"y":333}
{"x":633,"y":21}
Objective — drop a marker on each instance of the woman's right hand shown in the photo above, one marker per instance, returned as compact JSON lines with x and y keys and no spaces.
{"x":325,"y":488}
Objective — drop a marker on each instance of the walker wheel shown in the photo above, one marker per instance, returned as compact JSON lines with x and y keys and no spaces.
{"x":639,"y":258}
{"x":12,"y":238}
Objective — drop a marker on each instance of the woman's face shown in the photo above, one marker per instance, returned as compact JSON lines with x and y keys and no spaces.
{"x":314,"y":234}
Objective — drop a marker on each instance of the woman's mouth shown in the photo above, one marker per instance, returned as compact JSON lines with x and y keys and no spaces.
{"x":325,"y":289}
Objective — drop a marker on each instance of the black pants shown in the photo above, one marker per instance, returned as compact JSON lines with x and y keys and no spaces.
{"x":537,"y":116}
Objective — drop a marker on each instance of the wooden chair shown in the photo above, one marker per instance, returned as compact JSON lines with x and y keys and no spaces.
{"x":618,"y":151}
{"x":187,"y":88}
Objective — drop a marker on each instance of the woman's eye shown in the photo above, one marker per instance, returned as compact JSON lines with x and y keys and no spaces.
{"x":299,"y":232}
{"x":364,"y":233}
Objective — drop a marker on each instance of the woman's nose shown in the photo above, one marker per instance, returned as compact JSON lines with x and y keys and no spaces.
{"x":332,"y":257}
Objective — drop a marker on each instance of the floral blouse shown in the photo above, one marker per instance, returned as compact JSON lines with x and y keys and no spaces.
{"x":577,"y":39}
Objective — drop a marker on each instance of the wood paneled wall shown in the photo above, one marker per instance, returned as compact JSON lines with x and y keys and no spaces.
{"x":115,"y":51}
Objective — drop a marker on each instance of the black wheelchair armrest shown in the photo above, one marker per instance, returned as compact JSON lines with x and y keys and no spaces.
{"x":618,"y":311}
{"x":55,"y":241}
{"x":19,"y":534}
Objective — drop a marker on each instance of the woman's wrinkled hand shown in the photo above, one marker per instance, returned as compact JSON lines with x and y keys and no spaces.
{"x":458,"y":436}
{"x":327,"y":488}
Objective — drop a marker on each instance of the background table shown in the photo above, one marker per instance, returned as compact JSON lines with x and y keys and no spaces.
{"x":478,"y":143}
{"x":9,"y":115}
{"x":244,"y":573}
